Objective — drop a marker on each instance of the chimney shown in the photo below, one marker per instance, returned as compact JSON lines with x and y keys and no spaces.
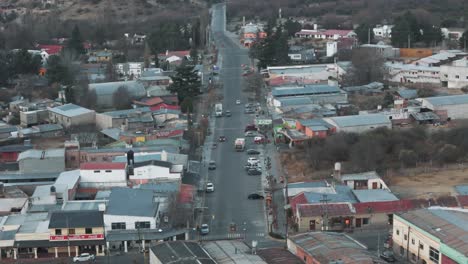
{"x":337,"y":171}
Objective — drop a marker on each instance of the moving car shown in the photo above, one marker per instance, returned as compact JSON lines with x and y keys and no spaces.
{"x":250,"y":134}
{"x":249,"y":111}
{"x":238,"y":102}
{"x":254,"y":172}
{"x":209,"y":187}
{"x":84,"y":257}
{"x":222,"y":139}
{"x":212,"y":165}
{"x":205,"y":229}
{"x":253,"y":152}
{"x":388,"y":256}
{"x":255,"y":196}
{"x":227,"y":113}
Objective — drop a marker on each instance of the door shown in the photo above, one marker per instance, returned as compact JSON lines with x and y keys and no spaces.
{"x":358,"y":222}
{"x":312,"y":225}
{"x":374,"y":185}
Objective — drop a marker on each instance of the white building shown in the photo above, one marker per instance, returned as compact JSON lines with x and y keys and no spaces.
{"x":366,"y":180}
{"x":383,"y":31}
{"x":332,"y":48}
{"x":63,"y":190}
{"x":455,"y":75}
{"x":103,"y":174}
{"x":359,"y":123}
{"x":331,"y":34}
{"x":130,"y":69}
{"x":411,"y":73}
{"x":447,"y":107}
{"x":155,"y":170}
{"x":70,"y":115}
{"x":452,"y":33}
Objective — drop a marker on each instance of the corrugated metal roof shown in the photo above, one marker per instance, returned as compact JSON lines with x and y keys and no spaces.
{"x":70,"y":110}
{"x":462,"y":189}
{"x":361,"y":120}
{"x":384,"y":207}
{"x":360,"y":176}
{"x":447,"y":100}
{"x":305,"y":90}
{"x":374,"y":195}
{"x":331,"y":209}
{"x":134,"y":88}
{"x":128,"y":112}
{"x":41,"y":154}
{"x":132,"y":202}
{"x":339,"y":193}
{"x":76,"y":219}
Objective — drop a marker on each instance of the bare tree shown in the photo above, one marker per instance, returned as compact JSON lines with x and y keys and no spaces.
{"x":367,"y":66}
{"x":121,"y":98}
{"x":254,"y":84}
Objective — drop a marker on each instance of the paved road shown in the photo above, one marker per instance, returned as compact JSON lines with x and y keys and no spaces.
{"x":122,"y":259}
{"x":229,"y":203}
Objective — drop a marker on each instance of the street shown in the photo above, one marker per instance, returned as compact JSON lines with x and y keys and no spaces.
{"x":228,"y":204}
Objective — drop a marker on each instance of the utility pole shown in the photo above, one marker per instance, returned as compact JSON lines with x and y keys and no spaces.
{"x":409,"y":41}
{"x":325,"y":201}
{"x":368,"y":36}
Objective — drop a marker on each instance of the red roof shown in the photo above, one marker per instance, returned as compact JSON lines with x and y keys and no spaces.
{"x":290,"y":80}
{"x":50,"y":49}
{"x":150,"y":101}
{"x":178,"y":53}
{"x":103,"y":166}
{"x":384,"y":207}
{"x":463,"y":200}
{"x":332,"y":209}
{"x":298,"y":199}
{"x":169,"y":134}
{"x":186,"y":193}
{"x":164,"y":106}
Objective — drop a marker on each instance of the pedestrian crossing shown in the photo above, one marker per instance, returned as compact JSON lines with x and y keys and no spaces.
{"x":231,"y":236}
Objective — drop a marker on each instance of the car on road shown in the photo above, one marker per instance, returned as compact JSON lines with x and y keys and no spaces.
{"x":260,"y":140}
{"x":84,"y":257}
{"x":249,"y":111}
{"x":212,"y":165}
{"x":252,"y":160}
{"x":250,"y":134}
{"x":205,"y":229}
{"x":388,"y":256}
{"x":227,"y":113}
{"x":248,"y":105}
{"x":254,"y":171}
{"x":250,"y":127}
{"x":253,"y":152}
{"x":238,"y":102}
{"x":255,"y":196}
{"x":253,"y":166}
{"x":222,"y":139}
{"x":209,"y":187}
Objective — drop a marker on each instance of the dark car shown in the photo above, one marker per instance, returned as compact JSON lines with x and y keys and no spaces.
{"x":212,"y":165}
{"x":255,"y":196}
{"x":251,"y":127}
{"x":222,"y":139}
{"x":388,"y":256}
{"x":228,"y":113}
{"x":253,"y":152}
{"x":254,"y":171}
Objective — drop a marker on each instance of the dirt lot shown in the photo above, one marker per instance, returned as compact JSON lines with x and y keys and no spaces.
{"x":428,"y":185}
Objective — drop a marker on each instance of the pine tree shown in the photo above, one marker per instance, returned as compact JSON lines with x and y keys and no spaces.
{"x":186,"y":82}
{"x":76,"y":41}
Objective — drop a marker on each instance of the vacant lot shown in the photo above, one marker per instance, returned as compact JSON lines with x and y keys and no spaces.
{"x":428,"y":185}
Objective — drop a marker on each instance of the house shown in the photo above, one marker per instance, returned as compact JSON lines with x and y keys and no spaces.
{"x":154,"y":77}
{"x":38,"y":161}
{"x":325,"y":34}
{"x":301,"y":55}
{"x":155,"y":170}
{"x":447,"y":107}
{"x":50,"y":49}
{"x":103,"y":56}
{"x":363,"y":181}
{"x":441,"y":58}
{"x":251,"y":33}
{"x":328,"y":216}
{"x":386,"y":51}
{"x":103,"y":175}
{"x":93,"y":72}
{"x":383,"y":31}
{"x":71,"y":115}
{"x":432,"y":235}
{"x":358,"y":123}
{"x":452,"y":33}
{"x":174,"y":57}
{"x":131,"y":215}
{"x":455,"y":74}
{"x":105,"y":91}
{"x":35,"y":117}
{"x":133,"y":69}
{"x":313,"y":127}
{"x":115,"y":119}
{"x":412,"y":73}
{"x":10,"y":153}
{"x":329,"y":247}
{"x":64,"y":189}
{"x":379,"y":213}
{"x":79,"y":231}
{"x":37,"y":131}
{"x":179,"y":252}
{"x":12,"y":201}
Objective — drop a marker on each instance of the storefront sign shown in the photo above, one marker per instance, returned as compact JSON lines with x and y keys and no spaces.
{"x":77,"y":237}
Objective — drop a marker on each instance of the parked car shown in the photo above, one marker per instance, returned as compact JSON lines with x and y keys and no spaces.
{"x":259,"y":140}
{"x":255,"y":196}
{"x":248,"y":105}
{"x":205,"y":229}
{"x":209,"y":187}
{"x":222,"y":139}
{"x":227,"y":113}
{"x":388,"y":256}
{"x":253,"y":152}
{"x":84,"y":257}
{"x":253,"y":166}
{"x":238,"y":102}
{"x":250,"y":134}
{"x":251,"y":160}
{"x":251,"y":127}
{"x":212,"y":165}
{"x":249,"y":111}
{"x":254,"y":172}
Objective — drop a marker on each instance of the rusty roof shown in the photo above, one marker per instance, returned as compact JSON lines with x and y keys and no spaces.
{"x":332,"y":209}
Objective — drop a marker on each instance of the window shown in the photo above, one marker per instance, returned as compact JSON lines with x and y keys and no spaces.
{"x":402,"y":250}
{"x":139,"y":225}
{"x":72,"y":158}
{"x":305,"y":258}
{"x":434,"y":254}
{"x":108,"y":171}
{"x":71,"y":231}
{"x":365,"y":221}
{"x":97,"y":171}
{"x":412,"y":241}
{"x":457,"y":76}
{"x":413,"y":257}
{"x":93,"y":159}
{"x":58,"y":232}
{"x":397,"y":232}
{"x":88,"y":230}
{"x":118,"y":226}
{"x":421,"y":246}
{"x":406,"y":237}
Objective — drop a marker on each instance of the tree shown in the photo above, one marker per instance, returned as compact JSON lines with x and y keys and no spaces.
{"x":292,"y":27}
{"x":463,"y":42}
{"x":185,"y":82}
{"x":76,"y":41}
{"x":448,"y":153}
{"x":431,"y":35}
{"x":272,"y":50}
{"x":408,"y":157}
{"x":57,"y":72}
{"x":426,"y":92}
{"x":187,"y":105}
{"x":367,"y":66}
{"x":388,"y":99}
{"x":25,"y":63}
{"x":406,"y":29}
{"x":364,"y":33}
{"x":169,"y":36}
{"x":121,"y":98}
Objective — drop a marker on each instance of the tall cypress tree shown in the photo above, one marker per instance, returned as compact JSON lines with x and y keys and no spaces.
{"x":76,"y":41}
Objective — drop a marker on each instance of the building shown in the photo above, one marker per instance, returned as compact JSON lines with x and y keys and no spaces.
{"x":35,"y":117}
{"x":412,"y":73}
{"x":304,"y":74}
{"x":452,"y":33}
{"x":455,"y":74}
{"x":301,"y":55}
{"x":39,"y":131}
{"x":42,"y":161}
{"x":325,"y":34}
{"x":363,"y":181}
{"x":383,"y":31}
{"x":64,"y":189}
{"x":379,"y":213}
{"x":328,"y":247}
{"x":77,"y":232}
{"x":251,"y":33}
{"x":12,"y":201}
{"x":129,"y":69}
{"x":313,"y":127}
{"x":447,"y":107}
{"x":117,"y":119}
{"x":441,"y":58}
{"x":105,"y":91}
{"x":155,"y":170}
{"x":103,"y":175}
{"x":358,"y":123}
{"x":316,"y":93}
{"x":432,"y":235}
{"x":178,"y":252}
{"x":10,"y":153}
{"x":328,"y":217}
{"x":386,"y":51}
{"x":71,"y":115}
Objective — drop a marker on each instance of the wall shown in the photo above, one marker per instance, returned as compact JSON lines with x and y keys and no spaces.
{"x":303,"y":223}
{"x":449,"y":73}
{"x":375,"y":220}
{"x":153,"y":259}
{"x":103,"y":121}
{"x":154,"y":172}
{"x":79,"y":231}
{"x":129,"y":221}
{"x":44,"y":165}
{"x":415,"y":53}
{"x":103,"y":178}
{"x":459,"y":111}
{"x":87,"y":118}
{"x":74,"y":157}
